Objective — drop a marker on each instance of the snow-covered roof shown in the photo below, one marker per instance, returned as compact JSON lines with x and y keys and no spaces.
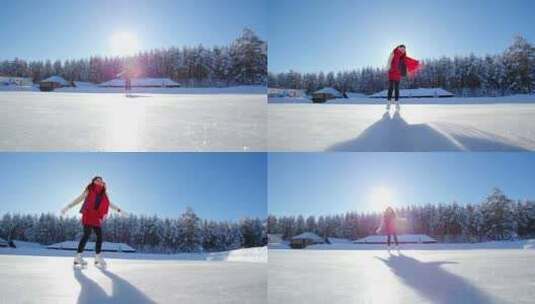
{"x":25,"y":244}
{"x":420,"y":92}
{"x":356,"y":95}
{"x":339,"y":241}
{"x":276,"y":92}
{"x":57,"y":79}
{"x":82,"y":84}
{"x":274,"y":238}
{"x":106,"y":246}
{"x":402,"y":238}
{"x":308,"y":236}
{"x":141,"y":82}
{"x":329,"y":90}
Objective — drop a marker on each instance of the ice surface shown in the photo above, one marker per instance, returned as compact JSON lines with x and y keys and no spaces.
{"x":435,"y":92}
{"x":343,"y":127}
{"x":161,"y":82}
{"x":355,"y":98}
{"x":402,"y":238}
{"x":414,"y":276}
{"x":90,"y":246}
{"x":47,"y":276}
{"x":251,"y":255}
{"x":40,"y":121}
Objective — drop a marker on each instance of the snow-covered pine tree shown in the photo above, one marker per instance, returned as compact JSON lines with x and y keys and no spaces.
{"x":497,"y":211}
{"x":518,"y":60}
{"x":189,"y":232}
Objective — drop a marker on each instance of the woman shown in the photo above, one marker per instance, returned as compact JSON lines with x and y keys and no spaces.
{"x":388,"y":225}
{"x":94,"y":210}
{"x":399,"y":64}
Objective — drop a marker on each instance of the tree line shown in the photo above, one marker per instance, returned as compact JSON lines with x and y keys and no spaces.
{"x":187,"y":233}
{"x":510,"y":72}
{"x":243,"y":62}
{"x":496,"y":218}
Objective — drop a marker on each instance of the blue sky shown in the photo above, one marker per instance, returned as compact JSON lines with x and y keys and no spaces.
{"x":221,"y":186}
{"x":329,"y":183}
{"x":314,"y":35}
{"x":60,"y":29}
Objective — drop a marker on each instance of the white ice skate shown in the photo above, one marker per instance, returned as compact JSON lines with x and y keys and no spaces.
{"x":99,"y":261}
{"x":397,"y":106}
{"x":388,"y":106}
{"x":79,"y":260}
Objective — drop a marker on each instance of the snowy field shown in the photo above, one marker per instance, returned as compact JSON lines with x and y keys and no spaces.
{"x":47,"y":276}
{"x":411,"y":276}
{"x":201,"y":120}
{"x":417,"y":127}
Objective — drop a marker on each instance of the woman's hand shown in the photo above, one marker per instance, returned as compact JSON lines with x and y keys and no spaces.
{"x":121,"y":212}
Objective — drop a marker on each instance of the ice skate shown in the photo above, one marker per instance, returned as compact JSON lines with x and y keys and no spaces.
{"x":388,"y":106}
{"x":397,"y":107}
{"x":99,"y":261}
{"x":79,"y":260}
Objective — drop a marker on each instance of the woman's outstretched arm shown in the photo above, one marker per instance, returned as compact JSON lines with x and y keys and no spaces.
{"x":116,"y":208}
{"x":75,"y":202}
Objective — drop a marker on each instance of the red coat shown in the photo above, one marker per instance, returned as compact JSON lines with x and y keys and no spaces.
{"x":390,"y":223}
{"x":394,"y":73}
{"x":95,"y":207}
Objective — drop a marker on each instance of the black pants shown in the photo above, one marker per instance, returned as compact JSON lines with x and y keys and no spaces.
{"x":393,"y":86}
{"x":85,"y":237}
{"x":395,"y":238}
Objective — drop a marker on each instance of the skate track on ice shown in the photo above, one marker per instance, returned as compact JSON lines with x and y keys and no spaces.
{"x":59,"y":121}
{"x":53,"y":279}
{"x":333,"y":127}
{"x":412,"y":276}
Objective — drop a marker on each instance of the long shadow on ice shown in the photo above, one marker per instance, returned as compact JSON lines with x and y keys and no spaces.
{"x":394,"y":134}
{"x":90,"y":291}
{"x":122,"y":290}
{"x":434,"y":283}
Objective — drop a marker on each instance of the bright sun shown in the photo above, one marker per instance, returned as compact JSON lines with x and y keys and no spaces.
{"x":380,"y":198}
{"x":124,"y":44}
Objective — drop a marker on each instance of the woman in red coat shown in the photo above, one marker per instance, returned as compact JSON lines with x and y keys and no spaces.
{"x":399,"y":65}
{"x":388,"y":225}
{"x":94,"y":209}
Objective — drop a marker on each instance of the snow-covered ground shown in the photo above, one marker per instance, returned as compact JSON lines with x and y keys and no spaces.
{"x":86,"y":87}
{"x":41,"y":121}
{"x":432,"y":127}
{"x":412,"y":276}
{"x":354,"y":98}
{"x":47,"y":276}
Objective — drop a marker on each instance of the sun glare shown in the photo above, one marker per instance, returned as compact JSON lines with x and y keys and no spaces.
{"x":124,"y":44}
{"x":380,"y":198}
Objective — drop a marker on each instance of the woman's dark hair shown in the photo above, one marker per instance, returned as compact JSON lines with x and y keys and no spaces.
{"x":92,"y":182}
{"x":401,"y":46}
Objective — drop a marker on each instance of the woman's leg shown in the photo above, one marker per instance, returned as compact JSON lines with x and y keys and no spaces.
{"x":390,"y":89}
{"x":98,"y":245}
{"x":388,"y":239}
{"x":396,"y":87}
{"x":396,"y":239}
{"x":83,"y":240}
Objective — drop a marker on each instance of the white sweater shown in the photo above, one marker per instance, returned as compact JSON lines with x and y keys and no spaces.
{"x":81,"y":198}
